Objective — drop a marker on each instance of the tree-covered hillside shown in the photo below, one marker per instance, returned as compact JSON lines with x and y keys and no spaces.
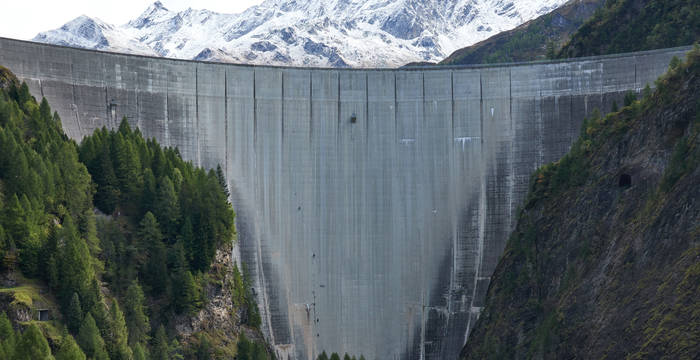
{"x":119,"y":277}
{"x":604,"y":262}
{"x":636,"y":25}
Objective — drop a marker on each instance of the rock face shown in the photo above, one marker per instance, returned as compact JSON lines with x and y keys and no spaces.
{"x":605,"y":259}
{"x":335,"y":33}
{"x":221,"y":319}
{"x":372,"y":205}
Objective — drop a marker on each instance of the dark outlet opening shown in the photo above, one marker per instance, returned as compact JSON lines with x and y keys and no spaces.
{"x":625,"y":180}
{"x":353,"y":118}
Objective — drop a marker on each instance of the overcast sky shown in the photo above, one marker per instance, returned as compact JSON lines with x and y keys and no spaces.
{"x":23,"y":19}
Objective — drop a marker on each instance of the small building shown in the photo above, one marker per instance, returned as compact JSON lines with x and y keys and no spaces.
{"x":43,"y":314}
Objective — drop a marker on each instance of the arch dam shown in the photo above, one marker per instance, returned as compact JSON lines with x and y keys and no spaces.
{"x":372,"y":204}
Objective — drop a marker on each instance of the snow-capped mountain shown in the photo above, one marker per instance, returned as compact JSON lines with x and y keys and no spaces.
{"x":337,"y":33}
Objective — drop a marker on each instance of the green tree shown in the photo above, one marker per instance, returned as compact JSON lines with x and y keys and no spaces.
{"x":127,"y":165}
{"x":117,"y":342}
{"x":160,"y":345}
{"x":188,"y":239}
{"x":155,"y":271}
{"x":630,"y":98}
{"x":335,"y":356}
{"x":184,"y":292}
{"x":244,"y":348}
{"x":323,"y":356}
{"x":148,"y":197}
{"x":167,"y":208}
{"x":69,"y":349}
{"x":149,"y":230}
{"x":76,"y":271}
{"x":7,"y":336}
{"x":203,"y":348}
{"x":108,"y":193}
{"x":135,"y":315}
{"x":74,"y":314}
{"x":139,"y":352}
{"x":90,"y":340}
{"x":33,"y":345}
{"x":222,"y":180}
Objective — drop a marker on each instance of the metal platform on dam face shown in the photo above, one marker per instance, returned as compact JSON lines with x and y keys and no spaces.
{"x":372,"y":205}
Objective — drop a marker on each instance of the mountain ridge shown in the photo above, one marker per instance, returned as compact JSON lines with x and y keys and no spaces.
{"x":338,"y":33}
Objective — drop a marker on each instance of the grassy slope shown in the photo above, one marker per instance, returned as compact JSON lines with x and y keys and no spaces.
{"x":599,"y":270}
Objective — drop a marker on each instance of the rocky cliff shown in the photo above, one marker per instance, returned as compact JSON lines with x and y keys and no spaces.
{"x":605,"y":259}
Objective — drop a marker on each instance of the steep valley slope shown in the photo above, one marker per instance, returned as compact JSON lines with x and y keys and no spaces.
{"x":605,"y":259}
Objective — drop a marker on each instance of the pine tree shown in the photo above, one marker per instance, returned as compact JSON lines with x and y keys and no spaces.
{"x":176,"y":351}
{"x":127,"y":166}
{"x":74,"y":314}
{"x":346,"y":357}
{"x":75,"y":270}
{"x":139,"y":352}
{"x":160,"y":345}
{"x":323,"y":356}
{"x":8,"y":337}
{"x":69,"y":349}
{"x":94,"y":303}
{"x":155,"y":271}
{"x":222,"y":180}
{"x":167,"y":207}
{"x":33,"y":345}
{"x":335,"y":356}
{"x":149,"y":231}
{"x":118,"y":347}
{"x":135,"y":315}
{"x":148,"y":197}
{"x":90,"y":340}
{"x":244,"y":348}
{"x":188,"y":240}
{"x":184,"y":292}
{"x":203,"y":348}
{"x":124,"y":127}
{"x":108,"y":193}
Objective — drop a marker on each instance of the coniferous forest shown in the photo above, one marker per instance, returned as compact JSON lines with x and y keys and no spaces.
{"x":117,"y":235}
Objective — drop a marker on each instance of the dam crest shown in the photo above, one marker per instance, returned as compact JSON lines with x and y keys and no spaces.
{"x":372,"y":204}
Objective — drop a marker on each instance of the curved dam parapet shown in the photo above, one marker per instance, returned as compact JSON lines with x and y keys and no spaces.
{"x":372,"y":205}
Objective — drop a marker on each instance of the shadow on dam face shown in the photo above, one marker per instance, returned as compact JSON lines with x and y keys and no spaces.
{"x":373,"y":205}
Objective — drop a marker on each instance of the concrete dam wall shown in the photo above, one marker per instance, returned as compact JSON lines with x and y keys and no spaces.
{"x":372,"y":205}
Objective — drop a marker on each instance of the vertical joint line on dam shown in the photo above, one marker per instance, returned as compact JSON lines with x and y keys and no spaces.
{"x":74,"y":106}
{"x":226,"y":120}
{"x":311,"y":108}
{"x":396,"y":108}
{"x":255,"y":112}
{"x":196,"y":110}
{"x":282,"y":102}
{"x":452,"y":187}
{"x":337,"y":126}
{"x":366,"y":113}
{"x":167,"y":111}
